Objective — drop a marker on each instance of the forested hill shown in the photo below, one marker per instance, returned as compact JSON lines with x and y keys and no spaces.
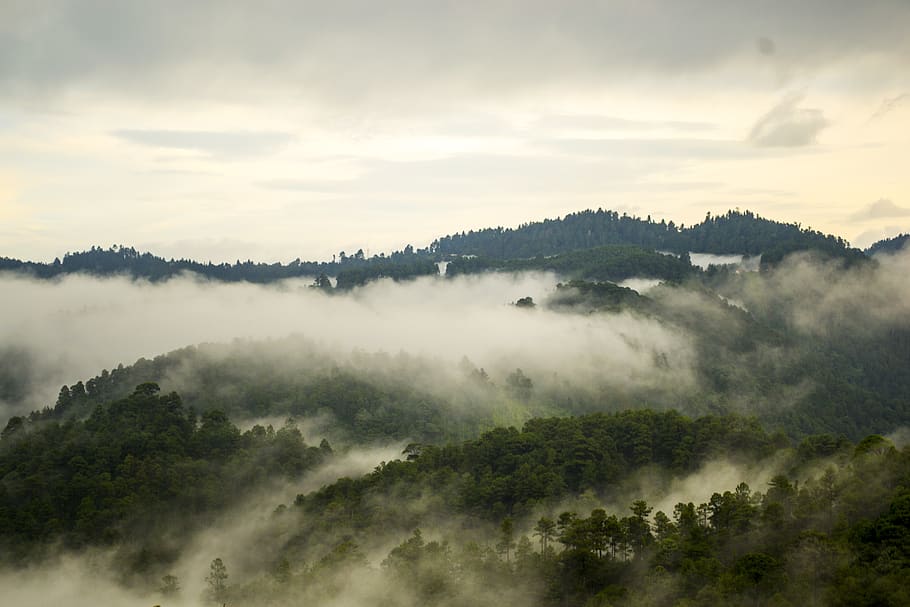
{"x":889,"y":245}
{"x":616,"y":262}
{"x":735,"y":232}
{"x":351,"y":270}
{"x":732,"y":233}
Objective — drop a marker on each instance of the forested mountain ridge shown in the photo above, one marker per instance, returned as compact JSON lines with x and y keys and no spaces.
{"x":889,"y":245}
{"x":734,"y":232}
{"x":848,"y":379}
{"x":710,"y":437}
{"x":134,"y":463}
{"x":350,"y":270}
{"x":831,"y":527}
{"x":550,"y":514}
{"x":611,"y":262}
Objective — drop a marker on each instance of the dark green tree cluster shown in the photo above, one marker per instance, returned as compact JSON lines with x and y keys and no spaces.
{"x":127,"y":261}
{"x":889,"y":245}
{"x":614,"y":262}
{"x":734,"y":232}
{"x":135,"y":463}
{"x":396,"y":269}
{"x":841,"y":536}
{"x":257,"y":379}
{"x":597,"y":297}
{"x":507,"y":472}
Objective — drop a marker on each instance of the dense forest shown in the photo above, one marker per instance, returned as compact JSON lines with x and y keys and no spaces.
{"x":352,"y":270}
{"x":598,"y":245}
{"x":687,"y":437}
{"x":495,"y":517}
{"x":731,"y":233}
{"x":889,"y":245}
{"x":614,"y":263}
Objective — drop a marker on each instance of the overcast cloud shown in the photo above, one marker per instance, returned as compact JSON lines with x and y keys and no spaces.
{"x":314,"y":127}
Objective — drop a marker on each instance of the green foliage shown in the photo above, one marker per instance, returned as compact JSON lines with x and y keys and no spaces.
{"x":507,"y":472}
{"x":396,"y":269}
{"x":131,"y":464}
{"x":127,"y":261}
{"x":614,"y":262}
{"x":217,"y":581}
{"x":736,"y":549}
{"x":732,"y":233}
{"x":889,"y":245}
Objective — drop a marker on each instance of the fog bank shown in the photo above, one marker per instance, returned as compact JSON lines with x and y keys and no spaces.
{"x":56,"y":332}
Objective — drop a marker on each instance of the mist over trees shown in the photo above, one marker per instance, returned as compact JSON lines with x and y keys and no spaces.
{"x":527,"y":431}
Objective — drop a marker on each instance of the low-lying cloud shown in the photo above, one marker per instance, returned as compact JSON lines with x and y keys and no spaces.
{"x":72,"y":328}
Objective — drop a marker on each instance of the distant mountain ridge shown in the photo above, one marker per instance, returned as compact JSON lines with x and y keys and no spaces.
{"x":350,"y":271}
{"x":889,"y":245}
{"x":735,"y":232}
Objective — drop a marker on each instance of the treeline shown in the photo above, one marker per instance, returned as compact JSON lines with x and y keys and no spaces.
{"x":134,"y":464}
{"x":127,"y":261}
{"x":832,"y":528}
{"x":889,"y":245}
{"x":836,"y":538}
{"x":370,"y":398}
{"x":734,"y":232}
{"x":515,"y":516}
{"x":396,"y":269}
{"x":615,"y":262}
{"x":507,"y":472}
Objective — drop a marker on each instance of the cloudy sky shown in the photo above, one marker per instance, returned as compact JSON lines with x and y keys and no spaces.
{"x":279,"y":129}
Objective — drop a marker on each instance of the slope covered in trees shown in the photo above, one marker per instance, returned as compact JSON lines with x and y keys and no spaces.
{"x":134,"y":464}
{"x":889,"y":245}
{"x":732,"y":233}
{"x":552,"y":514}
{"x":830,"y":527}
{"x":614,"y":263}
{"x":118,"y":260}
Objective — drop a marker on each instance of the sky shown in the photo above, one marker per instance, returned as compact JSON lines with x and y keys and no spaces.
{"x":271,"y":130}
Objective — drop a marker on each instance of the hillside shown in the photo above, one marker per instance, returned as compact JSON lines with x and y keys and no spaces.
{"x":732,"y":233}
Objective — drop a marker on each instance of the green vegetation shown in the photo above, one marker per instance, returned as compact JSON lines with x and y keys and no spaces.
{"x":732,"y":233}
{"x":371,"y":398}
{"x":353,"y":270}
{"x":839,"y":536}
{"x":611,"y":493}
{"x":601,"y":263}
{"x":889,"y":245}
{"x":134,"y":464}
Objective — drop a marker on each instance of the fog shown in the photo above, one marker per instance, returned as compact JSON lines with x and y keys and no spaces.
{"x":242,"y":537}
{"x":744,"y":262}
{"x":823,"y":298}
{"x":56,"y":332}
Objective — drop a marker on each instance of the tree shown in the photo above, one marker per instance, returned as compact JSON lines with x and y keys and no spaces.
{"x":545,"y":529}
{"x":170,"y":585}
{"x":639,"y":528}
{"x":520,"y":385}
{"x":322,"y":283}
{"x":506,"y":538}
{"x":217,"y":580}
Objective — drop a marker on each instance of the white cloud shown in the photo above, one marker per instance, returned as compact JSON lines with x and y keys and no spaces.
{"x":230,"y":144}
{"x":882,"y":208}
{"x":788,"y":125}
